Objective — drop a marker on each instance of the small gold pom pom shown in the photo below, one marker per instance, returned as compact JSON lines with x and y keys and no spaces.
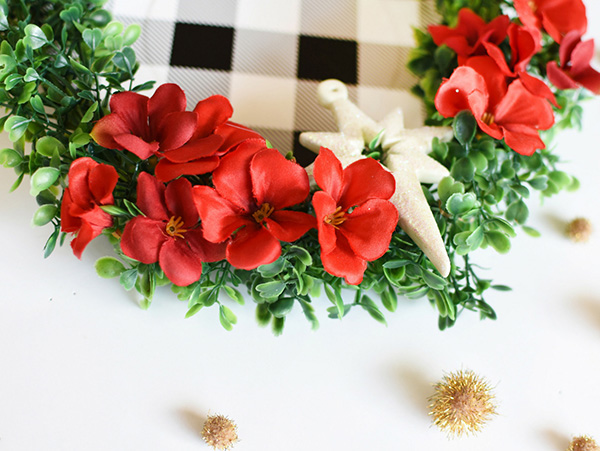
{"x":462,"y":403}
{"x":583,"y":443}
{"x":219,"y":432}
{"x":579,"y":230}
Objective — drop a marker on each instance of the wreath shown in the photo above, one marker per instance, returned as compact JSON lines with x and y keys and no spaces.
{"x":193,"y":200}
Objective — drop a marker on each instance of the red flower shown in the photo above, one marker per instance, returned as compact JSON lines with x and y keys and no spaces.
{"x":169,"y":232}
{"x":253,"y":185}
{"x":469,"y":36}
{"x":90,"y":185}
{"x":517,"y":116}
{"x":524,"y":43}
{"x":214,"y":137}
{"x":145,"y":126}
{"x":355,"y":220}
{"x":557,"y":17}
{"x":575,"y":69}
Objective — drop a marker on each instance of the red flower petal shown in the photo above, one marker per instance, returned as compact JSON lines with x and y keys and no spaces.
{"x":369,"y":228}
{"x":79,"y":181}
{"x":464,"y":90}
{"x":136,"y":145}
{"x":581,"y":57}
{"x":168,"y":98}
{"x":324,"y":205}
{"x":176,"y":129}
{"x":180,"y":202}
{"x":150,"y":197}
{"x":220,"y":218}
{"x":537,"y":87}
{"x":102,"y":181}
{"x":495,"y":79}
{"x":522,"y":139}
{"x":68,"y":222}
{"x":328,"y":173}
{"x":193,"y":150}
{"x":206,"y":251}
{"x":559,"y":78}
{"x":567,"y":46}
{"x":589,"y":79}
{"x":97,"y":218}
{"x":563,"y":16}
{"x":166,"y":171}
{"x":142,"y":239}
{"x":343,"y":262}
{"x":289,"y":225}
{"x":521,"y":107}
{"x":232,"y":178}
{"x":212,"y":112}
{"x":233,"y":134}
{"x":180,"y":264}
{"x":84,"y":236}
{"x":133,"y":109}
{"x":277,"y":181}
{"x":366,"y":179}
{"x":107,"y":128}
{"x":252,"y":247}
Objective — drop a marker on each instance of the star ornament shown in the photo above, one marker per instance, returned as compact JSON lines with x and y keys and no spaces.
{"x":405,"y":156}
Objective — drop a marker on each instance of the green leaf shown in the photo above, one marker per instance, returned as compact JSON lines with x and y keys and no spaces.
{"x":193,"y":310}
{"x":79,"y":67}
{"x":234,"y":294}
{"x":531,"y":231}
{"x":501,"y":288}
{"x":125,"y":60}
{"x":132,"y":33}
{"x":89,"y":114}
{"x":433,"y":280}
{"x":113,"y":210}
{"x":48,"y":145}
{"x":498,"y":241}
{"x":10,"y":158}
{"x":575,"y":184}
{"x":263,"y":316}
{"x":37,"y":104}
{"x":227,"y":317}
{"x":272,"y":269}
{"x":44,"y":215}
{"x":113,"y":29}
{"x":301,"y":254}
{"x":51,"y":243}
{"x":560,"y":178}
{"x":464,"y":126}
{"x":459,"y":204}
{"x":3,"y":21}
{"x":369,"y":305}
{"x":539,"y":183}
{"x":393,"y":264}
{"x":282,"y":307}
{"x":447,"y":187}
{"x":30,"y":75}
{"x":128,"y":278}
{"x":34,"y":37}
{"x":309,"y":313}
{"x":80,"y":139}
{"x":269,"y":290}
{"x":389,"y":299}
{"x":92,"y":37}
{"x":17,"y":183}
{"x":479,"y":161}
{"x":517,"y":211}
{"x":12,"y":80}
{"x":336,"y":299}
{"x":16,"y":126}
{"x":463,"y":169}
{"x":43,"y":179}
{"x":475,"y":239}
{"x":109,"y":267}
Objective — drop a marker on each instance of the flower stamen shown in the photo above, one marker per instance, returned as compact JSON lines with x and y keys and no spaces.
{"x":487,"y":118}
{"x":263,"y":213}
{"x":336,"y":218}
{"x":175,"y":227}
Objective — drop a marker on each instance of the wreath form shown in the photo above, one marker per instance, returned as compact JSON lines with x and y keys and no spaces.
{"x":193,"y":200}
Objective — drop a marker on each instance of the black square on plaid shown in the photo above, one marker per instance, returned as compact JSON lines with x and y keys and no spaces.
{"x":303,"y":156}
{"x":322,"y":58}
{"x":202,"y":46}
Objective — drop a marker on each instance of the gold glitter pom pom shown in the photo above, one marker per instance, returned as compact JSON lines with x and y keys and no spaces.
{"x":219,"y":432}
{"x":462,"y":403}
{"x":583,"y":443}
{"x":579,"y":230}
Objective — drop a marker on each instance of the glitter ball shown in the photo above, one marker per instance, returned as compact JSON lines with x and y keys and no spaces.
{"x":583,"y":443}
{"x":219,"y":432}
{"x":579,"y":230}
{"x":462,"y":403}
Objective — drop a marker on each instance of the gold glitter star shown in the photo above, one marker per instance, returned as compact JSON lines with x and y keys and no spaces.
{"x":462,"y":403}
{"x":405,"y":155}
{"x":219,"y":432}
{"x":583,"y":443}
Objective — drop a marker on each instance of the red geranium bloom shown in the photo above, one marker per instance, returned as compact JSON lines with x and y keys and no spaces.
{"x":91,"y":185}
{"x":169,"y":232}
{"x":214,"y":136}
{"x":145,"y":126}
{"x":516,"y":117}
{"x":253,"y":185}
{"x":575,"y":69}
{"x":355,"y":219}
{"x":557,"y":17}
{"x":471,"y":32}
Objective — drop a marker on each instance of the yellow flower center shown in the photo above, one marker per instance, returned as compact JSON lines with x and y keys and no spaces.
{"x":487,"y":118}
{"x":263,"y":213}
{"x":336,"y":218}
{"x":175,"y":227}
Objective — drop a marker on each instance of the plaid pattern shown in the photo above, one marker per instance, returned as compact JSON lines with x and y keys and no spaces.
{"x":268,"y":56}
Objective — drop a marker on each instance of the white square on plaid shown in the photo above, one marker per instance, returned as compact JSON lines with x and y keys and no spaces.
{"x":269,"y":15}
{"x":144,"y":9}
{"x":213,"y":12}
{"x":263,"y":101}
{"x":388,"y":21}
{"x":378,"y":102}
{"x":152,"y":72}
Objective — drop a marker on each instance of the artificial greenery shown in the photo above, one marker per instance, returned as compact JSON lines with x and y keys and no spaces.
{"x":60,"y":61}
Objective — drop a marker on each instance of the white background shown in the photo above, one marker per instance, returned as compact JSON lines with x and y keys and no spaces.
{"x":83,"y":368}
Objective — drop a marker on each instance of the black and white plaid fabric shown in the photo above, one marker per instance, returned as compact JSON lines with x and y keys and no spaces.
{"x":268,"y":56}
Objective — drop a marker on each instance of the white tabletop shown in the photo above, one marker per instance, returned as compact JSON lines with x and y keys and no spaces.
{"x":82,"y":367}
